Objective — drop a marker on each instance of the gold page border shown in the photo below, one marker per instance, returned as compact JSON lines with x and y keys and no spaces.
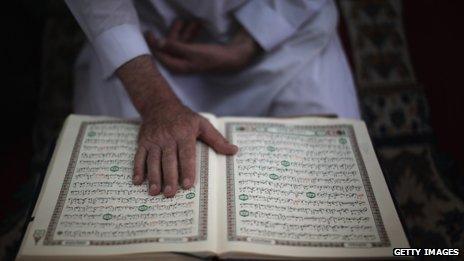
{"x":231,"y":222}
{"x":203,"y":204}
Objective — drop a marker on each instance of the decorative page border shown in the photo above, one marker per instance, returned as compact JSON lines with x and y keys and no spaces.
{"x":203,"y":200}
{"x":231,"y":206}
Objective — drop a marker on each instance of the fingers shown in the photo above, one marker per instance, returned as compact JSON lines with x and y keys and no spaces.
{"x":190,"y":31}
{"x":183,"y":30}
{"x":170,"y":45}
{"x":151,"y":40}
{"x":170,"y":170}
{"x":178,"y":49}
{"x":173,"y":63}
{"x":187,"y":151}
{"x":163,"y":170}
{"x":139,"y":165}
{"x":175,"y":30}
{"x":154,"y":171}
{"x":215,"y":140}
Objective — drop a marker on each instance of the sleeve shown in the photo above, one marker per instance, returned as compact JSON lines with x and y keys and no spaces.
{"x":112,"y":27}
{"x":271,"y":22}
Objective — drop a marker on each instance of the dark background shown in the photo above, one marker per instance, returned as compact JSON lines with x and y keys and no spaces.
{"x":435,"y":36}
{"x":22,"y":25}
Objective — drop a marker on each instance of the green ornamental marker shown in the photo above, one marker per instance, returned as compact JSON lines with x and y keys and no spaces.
{"x":190,"y":195}
{"x":271,"y":148}
{"x":310,"y":194}
{"x":342,"y":141}
{"x":244,"y":213}
{"x":285,"y":163}
{"x":114,"y":168}
{"x":107,"y":216}
{"x":243,"y":197}
{"x":38,"y":234}
{"x":143,"y":207}
{"x":273,"y":176}
{"x":92,"y":134}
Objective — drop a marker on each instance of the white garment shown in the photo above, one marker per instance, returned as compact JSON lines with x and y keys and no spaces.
{"x":303,"y":69}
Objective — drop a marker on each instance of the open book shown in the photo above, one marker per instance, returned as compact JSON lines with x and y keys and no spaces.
{"x":298,"y":188}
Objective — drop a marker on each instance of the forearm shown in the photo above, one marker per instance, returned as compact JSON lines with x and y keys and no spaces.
{"x":168,"y":132}
{"x":145,"y":85}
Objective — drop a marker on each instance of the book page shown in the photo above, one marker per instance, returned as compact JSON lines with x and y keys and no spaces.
{"x":89,"y":205}
{"x":300,"y":185}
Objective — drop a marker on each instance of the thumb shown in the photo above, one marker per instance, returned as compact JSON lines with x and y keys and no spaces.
{"x":177,"y":48}
{"x":169,"y":46}
{"x":215,"y":140}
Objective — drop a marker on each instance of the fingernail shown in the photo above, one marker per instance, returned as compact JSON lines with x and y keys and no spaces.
{"x":153,"y":189}
{"x":136,"y":180}
{"x":167,"y":189}
{"x":186,"y":183}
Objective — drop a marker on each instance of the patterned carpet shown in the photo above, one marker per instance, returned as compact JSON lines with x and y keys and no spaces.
{"x":397,"y":114}
{"x":393,"y":106}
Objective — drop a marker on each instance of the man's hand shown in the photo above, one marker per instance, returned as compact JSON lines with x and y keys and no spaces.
{"x":167,"y":143}
{"x":178,"y":54}
{"x":169,"y":130}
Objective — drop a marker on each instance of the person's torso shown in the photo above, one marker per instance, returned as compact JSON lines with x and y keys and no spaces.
{"x":215,"y":16}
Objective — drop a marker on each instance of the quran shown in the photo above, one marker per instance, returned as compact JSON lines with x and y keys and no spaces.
{"x":298,"y":188}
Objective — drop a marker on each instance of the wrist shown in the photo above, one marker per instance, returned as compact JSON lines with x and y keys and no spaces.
{"x":243,"y":47}
{"x":153,"y":107}
{"x":245,"y":42}
{"x":145,"y":85}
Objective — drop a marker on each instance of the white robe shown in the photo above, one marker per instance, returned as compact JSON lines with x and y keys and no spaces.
{"x":302,"y":70}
